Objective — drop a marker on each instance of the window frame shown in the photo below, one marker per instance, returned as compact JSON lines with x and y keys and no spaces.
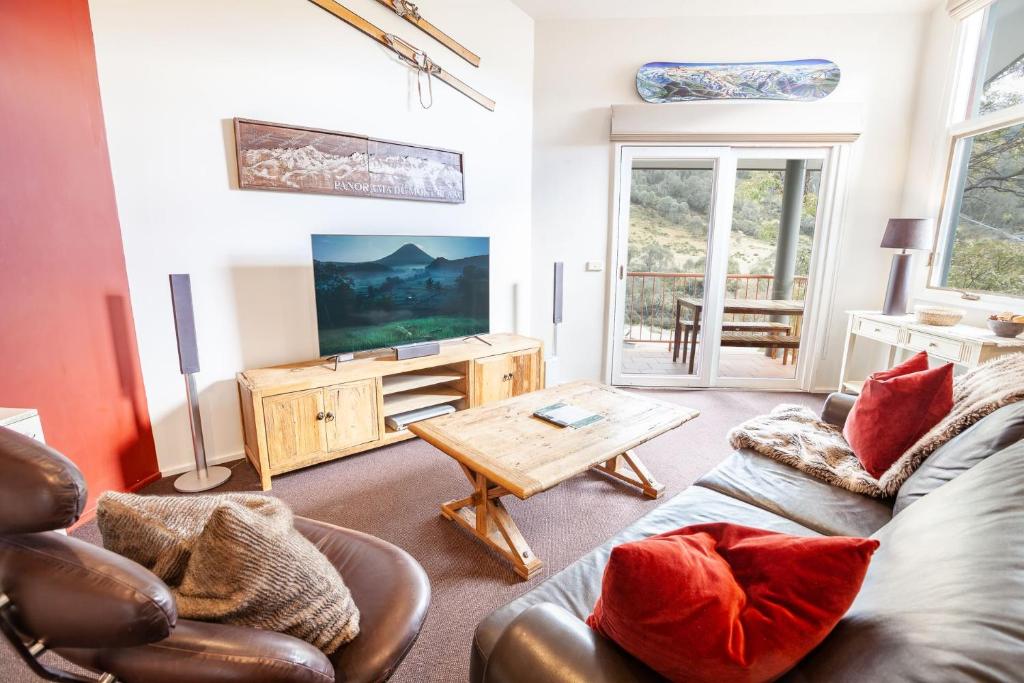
{"x":973,"y":42}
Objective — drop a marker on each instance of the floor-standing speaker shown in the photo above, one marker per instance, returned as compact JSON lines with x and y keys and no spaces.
{"x":203,"y":478}
{"x":551,"y":371}
{"x":558,"y":293}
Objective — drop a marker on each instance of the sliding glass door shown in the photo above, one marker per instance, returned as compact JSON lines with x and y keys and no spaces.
{"x":715,"y":247}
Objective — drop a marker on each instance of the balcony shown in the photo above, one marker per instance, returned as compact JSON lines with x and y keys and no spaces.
{"x":650,"y":318}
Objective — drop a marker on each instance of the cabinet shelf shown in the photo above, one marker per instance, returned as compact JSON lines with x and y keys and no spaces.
{"x":394,"y":384}
{"x":420,"y":398}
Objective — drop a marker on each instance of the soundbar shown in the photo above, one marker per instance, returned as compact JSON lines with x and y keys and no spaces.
{"x":407,"y":351}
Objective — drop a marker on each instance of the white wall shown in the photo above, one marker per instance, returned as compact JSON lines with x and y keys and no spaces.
{"x":172,"y":76}
{"x":584,"y":66}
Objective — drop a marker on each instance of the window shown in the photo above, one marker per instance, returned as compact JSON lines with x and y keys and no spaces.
{"x":981,"y":239}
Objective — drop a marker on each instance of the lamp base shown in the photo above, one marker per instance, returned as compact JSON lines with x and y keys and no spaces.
{"x":195,"y":481}
{"x":897,"y":295}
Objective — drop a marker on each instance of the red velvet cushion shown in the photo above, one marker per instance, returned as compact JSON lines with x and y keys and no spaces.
{"x":722,"y":602}
{"x":890,"y":415}
{"x":916,"y":363}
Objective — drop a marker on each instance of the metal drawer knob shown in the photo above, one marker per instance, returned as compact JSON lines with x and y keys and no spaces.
{"x":320,"y":415}
{"x":330,"y":416}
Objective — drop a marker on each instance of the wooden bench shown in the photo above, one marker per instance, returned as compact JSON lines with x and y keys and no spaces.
{"x":788,"y":342}
{"x":686,"y":326}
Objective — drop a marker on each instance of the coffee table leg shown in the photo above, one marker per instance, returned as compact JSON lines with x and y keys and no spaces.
{"x":629,"y":468}
{"x":484,"y":515}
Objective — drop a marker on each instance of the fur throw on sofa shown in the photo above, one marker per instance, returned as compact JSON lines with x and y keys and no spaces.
{"x":233,"y":559}
{"x":795,"y":436}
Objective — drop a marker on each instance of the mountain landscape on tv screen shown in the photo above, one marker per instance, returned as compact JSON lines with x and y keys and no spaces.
{"x":433,"y":288}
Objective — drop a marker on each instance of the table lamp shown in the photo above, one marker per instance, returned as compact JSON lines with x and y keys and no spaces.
{"x":903,"y":233}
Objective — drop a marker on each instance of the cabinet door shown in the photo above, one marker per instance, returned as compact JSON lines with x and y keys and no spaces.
{"x":526,"y":372}
{"x":295,"y":427}
{"x":491,"y":379}
{"x":352,"y":415}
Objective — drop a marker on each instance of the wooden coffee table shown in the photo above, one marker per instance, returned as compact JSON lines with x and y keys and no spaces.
{"x":504,"y":450}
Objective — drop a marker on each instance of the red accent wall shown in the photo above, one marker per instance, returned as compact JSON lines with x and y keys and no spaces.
{"x":67,"y":338}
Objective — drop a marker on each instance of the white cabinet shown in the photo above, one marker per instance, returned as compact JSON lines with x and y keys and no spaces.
{"x":23,"y":420}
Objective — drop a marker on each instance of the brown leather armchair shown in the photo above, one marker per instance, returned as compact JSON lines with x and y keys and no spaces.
{"x":110,"y":615}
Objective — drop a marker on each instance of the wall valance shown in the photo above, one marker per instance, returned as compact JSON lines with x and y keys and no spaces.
{"x":738,"y":122}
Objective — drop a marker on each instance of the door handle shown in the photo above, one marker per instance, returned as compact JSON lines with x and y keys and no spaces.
{"x":330,"y":416}
{"x":320,"y":415}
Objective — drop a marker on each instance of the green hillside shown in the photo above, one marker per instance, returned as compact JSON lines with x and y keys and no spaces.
{"x":670,"y":211}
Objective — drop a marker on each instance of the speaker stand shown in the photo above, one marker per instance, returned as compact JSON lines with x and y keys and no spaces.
{"x":203,"y":478}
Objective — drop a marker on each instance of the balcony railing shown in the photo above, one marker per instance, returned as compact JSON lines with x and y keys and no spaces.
{"x":651,"y":299}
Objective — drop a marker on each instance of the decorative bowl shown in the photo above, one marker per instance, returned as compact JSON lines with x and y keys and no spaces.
{"x":1005,"y":328}
{"x":937,"y":315}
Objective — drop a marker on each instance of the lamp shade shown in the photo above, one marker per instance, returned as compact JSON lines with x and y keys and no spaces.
{"x":908,"y":233}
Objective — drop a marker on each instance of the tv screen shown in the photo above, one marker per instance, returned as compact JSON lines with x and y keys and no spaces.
{"x":374,"y":291}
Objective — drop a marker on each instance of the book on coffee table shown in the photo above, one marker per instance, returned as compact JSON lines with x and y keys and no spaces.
{"x":565,"y":415}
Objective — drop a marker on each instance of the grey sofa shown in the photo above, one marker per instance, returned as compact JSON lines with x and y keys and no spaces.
{"x":943,"y":599}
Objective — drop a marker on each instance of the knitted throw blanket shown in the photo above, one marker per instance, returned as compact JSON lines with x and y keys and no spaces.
{"x":233,"y":559}
{"x":795,"y":436}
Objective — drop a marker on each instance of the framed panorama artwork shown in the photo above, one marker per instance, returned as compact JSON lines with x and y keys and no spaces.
{"x":274,"y":156}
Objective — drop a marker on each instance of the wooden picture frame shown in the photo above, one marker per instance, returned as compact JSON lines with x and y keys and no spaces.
{"x":285,"y":158}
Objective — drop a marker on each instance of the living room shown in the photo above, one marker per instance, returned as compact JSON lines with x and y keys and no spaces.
{"x":468,"y":306}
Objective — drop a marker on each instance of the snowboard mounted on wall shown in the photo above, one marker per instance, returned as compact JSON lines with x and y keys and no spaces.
{"x":803,"y":80}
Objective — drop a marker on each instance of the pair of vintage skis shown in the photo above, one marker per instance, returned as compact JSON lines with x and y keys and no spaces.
{"x":410,"y":54}
{"x":411,"y":13}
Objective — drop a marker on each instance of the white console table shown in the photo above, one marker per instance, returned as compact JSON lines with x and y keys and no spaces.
{"x":964,"y":345}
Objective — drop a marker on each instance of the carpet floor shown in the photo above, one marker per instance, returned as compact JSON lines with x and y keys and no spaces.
{"x":395,"y":492}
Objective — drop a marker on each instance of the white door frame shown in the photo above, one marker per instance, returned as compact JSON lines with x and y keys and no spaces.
{"x":821,"y":278}
{"x":626,"y":155}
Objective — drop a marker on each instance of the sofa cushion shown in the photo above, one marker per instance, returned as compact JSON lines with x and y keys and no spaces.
{"x":788,"y":492}
{"x":577,"y":587}
{"x":1002,"y":428}
{"x":748,"y":603}
{"x":916,"y":363}
{"x":234,"y":559}
{"x":892,"y":414}
{"x":943,"y":599}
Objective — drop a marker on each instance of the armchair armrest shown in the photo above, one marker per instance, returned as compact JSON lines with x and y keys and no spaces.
{"x":202,"y":652}
{"x":837,"y":408}
{"x":546,"y":644}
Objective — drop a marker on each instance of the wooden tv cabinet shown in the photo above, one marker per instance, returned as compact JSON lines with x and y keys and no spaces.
{"x":302,"y":414}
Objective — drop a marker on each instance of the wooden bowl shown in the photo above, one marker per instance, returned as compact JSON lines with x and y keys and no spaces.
{"x":937,"y":315}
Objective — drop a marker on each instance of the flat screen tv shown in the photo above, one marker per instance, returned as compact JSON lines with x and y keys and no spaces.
{"x":374,"y":291}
